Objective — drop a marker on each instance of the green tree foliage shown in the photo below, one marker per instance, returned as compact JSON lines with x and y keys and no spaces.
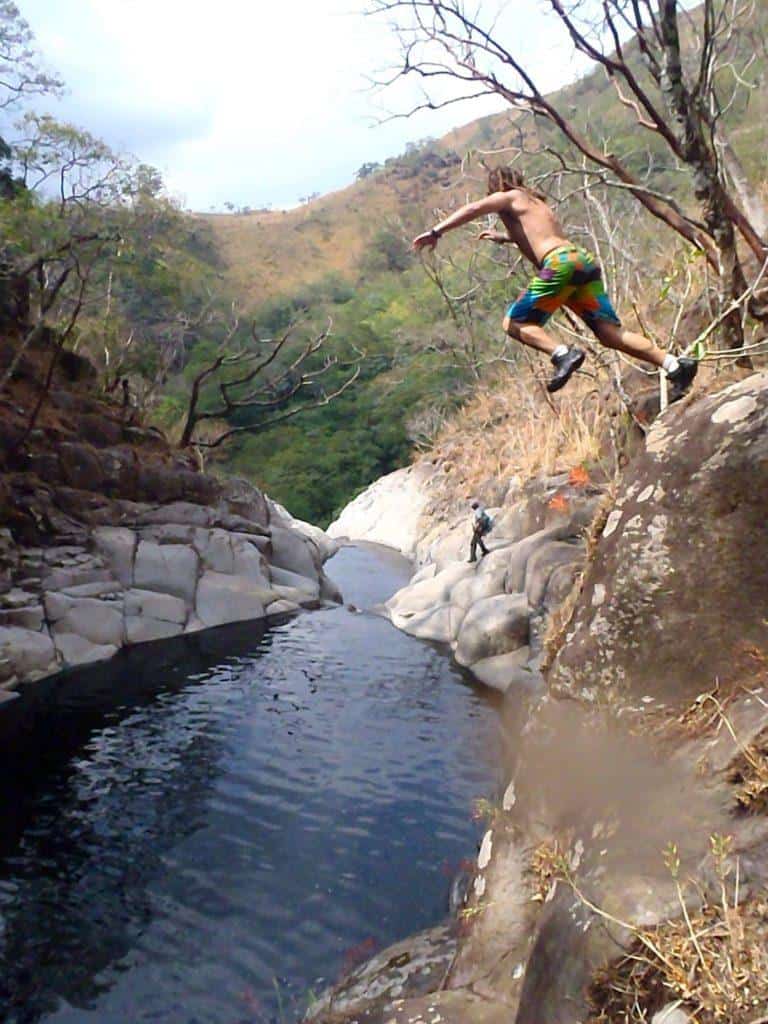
{"x":389,"y":249}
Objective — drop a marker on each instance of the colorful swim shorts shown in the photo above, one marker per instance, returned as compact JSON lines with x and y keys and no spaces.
{"x":569,"y":276}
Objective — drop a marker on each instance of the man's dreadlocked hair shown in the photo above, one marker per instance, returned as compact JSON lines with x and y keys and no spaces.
{"x":502,"y":179}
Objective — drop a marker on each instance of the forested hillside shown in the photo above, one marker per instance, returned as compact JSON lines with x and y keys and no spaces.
{"x":309,"y":349}
{"x":429,"y":342}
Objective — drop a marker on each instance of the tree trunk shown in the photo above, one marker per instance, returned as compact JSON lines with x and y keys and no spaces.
{"x":688,"y":127}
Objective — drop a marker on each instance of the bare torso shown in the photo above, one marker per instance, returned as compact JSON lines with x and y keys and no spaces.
{"x":532,"y":225}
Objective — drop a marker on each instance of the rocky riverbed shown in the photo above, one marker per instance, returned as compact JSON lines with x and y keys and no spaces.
{"x":644,"y":758}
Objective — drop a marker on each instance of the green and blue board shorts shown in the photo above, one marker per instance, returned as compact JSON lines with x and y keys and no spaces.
{"x":568,"y":276}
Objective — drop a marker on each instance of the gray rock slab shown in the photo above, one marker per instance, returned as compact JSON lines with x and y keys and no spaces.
{"x":76,"y":650}
{"x":179,"y":512}
{"x":172,"y":533}
{"x":329,"y":591}
{"x":57,"y":605}
{"x":61,"y":579}
{"x":32,"y":654}
{"x":325,"y":546}
{"x":434,"y":624}
{"x":476,"y":587}
{"x":153,"y":605}
{"x":542,"y":563}
{"x":514,"y":558}
{"x":31,"y":617}
{"x":291,"y":551}
{"x":261,"y":542}
{"x":17,"y":598}
{"x":215,"y":550}
{"x":560,"y":584}
{"x":140,"y":629}
{"x":426,"y":572}
{"x":428,"y":593}
{"x":505,"y":671}
{"x":282,"y":607}
{"x":110,"y":587}
{"x":222,"y":598}
{"x":117,"y":546}
{"x":247,"y":560}
{"x":60,"y":553}
{"x":495,"y":625}
{"x":168,"y":569}
{"x":285,"y":578}
{"x":303,"y":598}
{"x":98,"y":622}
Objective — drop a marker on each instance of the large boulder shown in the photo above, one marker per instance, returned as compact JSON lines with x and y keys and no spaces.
{"x":291,"y":551}
{"x":427,"y":594}
{"x":677,"y":592}
{"x":389,"y":511}
{"x":494,"y":625}
{"x":99,"y":622}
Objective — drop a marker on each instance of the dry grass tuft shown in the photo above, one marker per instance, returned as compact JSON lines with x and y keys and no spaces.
{"x":708,"y":715}
{"x":546,"y":869}
{"x":511,"y":428}
{"x":749,"y":774}
{"x":713,"y":961}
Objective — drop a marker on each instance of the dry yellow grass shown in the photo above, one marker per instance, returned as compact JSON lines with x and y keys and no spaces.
{"x":712,"y":961}
{"x":274,"y":253}
{"x":512,"y":428}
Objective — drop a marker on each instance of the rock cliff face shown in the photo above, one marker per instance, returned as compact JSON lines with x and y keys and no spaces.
{"x":680,"y":589}
{"x":389,"y":511}
{"x":493,"y":613}
{"x":662,"y":738}
{"x":108,"y":537}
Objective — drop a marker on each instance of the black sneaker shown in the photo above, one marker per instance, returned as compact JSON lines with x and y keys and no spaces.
{"x":682,"y":377}
{"x":565,"y":366}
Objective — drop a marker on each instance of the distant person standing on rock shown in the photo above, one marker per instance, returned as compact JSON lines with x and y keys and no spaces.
{"x":567,"y":275}
{"x":481,"y":524}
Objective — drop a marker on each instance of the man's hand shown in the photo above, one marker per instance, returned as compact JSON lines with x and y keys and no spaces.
{"x":495,"y":236}
{"x":426,"y":240}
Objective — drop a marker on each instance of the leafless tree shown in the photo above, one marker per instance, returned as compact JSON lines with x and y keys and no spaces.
{"x":268,"y":379}
{"x":20,"y":71}
{"x":637,"y":43}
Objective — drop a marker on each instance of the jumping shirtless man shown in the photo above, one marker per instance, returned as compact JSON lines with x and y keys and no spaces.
{"x":567,"y":275}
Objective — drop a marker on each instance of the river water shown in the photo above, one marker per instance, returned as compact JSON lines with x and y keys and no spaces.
{"x":209,"y":829}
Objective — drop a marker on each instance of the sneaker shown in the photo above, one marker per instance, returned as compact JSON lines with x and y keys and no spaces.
{"x":565,"y":366}
{"x":682,"y":378}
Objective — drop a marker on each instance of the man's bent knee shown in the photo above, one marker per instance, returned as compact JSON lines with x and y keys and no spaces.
{"x":511,"y":328}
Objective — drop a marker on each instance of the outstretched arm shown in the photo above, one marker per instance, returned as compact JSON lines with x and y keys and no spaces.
{"x":493,"y":203}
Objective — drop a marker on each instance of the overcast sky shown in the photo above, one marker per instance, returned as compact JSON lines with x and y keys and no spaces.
{"x":250,"y":101}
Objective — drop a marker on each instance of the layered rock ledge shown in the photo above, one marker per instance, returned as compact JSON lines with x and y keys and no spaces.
{"x":109,"y":537}
{"x":175,"y":569}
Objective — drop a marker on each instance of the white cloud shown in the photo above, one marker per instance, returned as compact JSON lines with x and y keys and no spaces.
{"x":246,"y":100}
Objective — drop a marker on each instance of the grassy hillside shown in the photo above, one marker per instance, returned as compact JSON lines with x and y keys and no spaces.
{"x":345,"y":256}
{"x":271,"y":253}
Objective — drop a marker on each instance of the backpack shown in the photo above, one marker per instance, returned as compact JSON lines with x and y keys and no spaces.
{"x":485,"y":524}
